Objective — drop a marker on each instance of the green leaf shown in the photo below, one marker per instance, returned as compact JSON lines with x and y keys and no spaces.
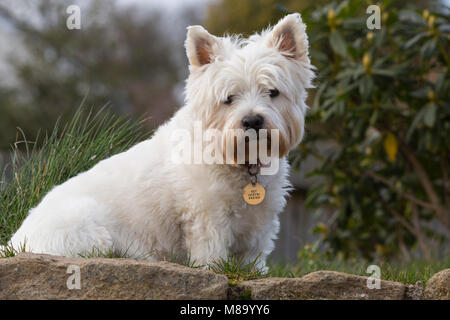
{"x":341,"y":6}
{"x":391,"y":71}
{"x":379,"y":38}
{"x":318,"y":94}
{"x":430,"y":115}
{"x":417,"y":119}
{"x":384,"y":72}
{"x":439,"y":85}
{"x":366,"y":86}
{"x":373,"y":117}
{"x":338,"y":44}
{"x":420,"y":93}
{"x":428,"y":49}
{"x":414,"y":40}
{"x":411,"y":17}
{"x":318,"y":55}
{"x":444,"y":28}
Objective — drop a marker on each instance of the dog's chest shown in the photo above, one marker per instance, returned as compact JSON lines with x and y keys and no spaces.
{"x":216,"y":198}
{"x":244,"y":219}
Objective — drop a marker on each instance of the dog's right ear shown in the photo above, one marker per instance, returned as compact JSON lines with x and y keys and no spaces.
{"x":289,"y":37}
{"x":201,"y":47}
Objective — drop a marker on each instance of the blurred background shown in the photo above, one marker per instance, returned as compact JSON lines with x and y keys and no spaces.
{"x":372,"y":176}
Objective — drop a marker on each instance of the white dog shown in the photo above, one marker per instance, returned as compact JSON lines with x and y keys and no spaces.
{"x":143,"y":203}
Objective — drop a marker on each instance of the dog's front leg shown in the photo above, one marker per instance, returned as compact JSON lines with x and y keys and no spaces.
{"x":261,"y":245}
{"x":205,"y":243}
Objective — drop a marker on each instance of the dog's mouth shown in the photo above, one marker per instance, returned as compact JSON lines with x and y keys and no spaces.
{"x":259,"y":163}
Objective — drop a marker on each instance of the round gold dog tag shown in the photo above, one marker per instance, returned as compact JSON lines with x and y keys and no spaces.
{"x":254,"y":194}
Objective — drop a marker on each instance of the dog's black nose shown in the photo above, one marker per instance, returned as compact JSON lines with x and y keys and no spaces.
{"x":253,"y":122}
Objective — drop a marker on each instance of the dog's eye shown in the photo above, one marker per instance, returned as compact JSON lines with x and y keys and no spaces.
{"x":274,"y":93}
{"x":229,"y":100}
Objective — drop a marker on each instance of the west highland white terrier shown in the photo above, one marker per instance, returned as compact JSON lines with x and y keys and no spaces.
{"x":149,"y":202}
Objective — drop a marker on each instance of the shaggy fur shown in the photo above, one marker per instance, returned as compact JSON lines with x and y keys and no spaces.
{"x":143,"y":203}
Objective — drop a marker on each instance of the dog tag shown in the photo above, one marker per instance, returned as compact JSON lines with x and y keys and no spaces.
{"x":254,"y":193}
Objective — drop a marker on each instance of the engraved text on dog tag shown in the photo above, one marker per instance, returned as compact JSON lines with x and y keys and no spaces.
{"x":254,"y":193}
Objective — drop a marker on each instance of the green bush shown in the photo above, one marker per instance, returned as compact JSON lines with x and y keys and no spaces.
{"x":382,"y":100}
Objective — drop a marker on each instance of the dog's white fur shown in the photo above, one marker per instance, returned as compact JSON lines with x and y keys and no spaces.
{"x":142,"y":203}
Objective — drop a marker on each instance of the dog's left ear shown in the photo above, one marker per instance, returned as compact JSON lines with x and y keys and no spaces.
{"x":289,"y":37}
{"x":201,"y":46}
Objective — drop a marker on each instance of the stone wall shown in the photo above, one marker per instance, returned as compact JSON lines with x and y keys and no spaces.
{"x":32,"y":276}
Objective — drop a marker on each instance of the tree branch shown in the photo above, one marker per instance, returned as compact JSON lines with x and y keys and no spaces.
{"x":446,"y":180}
{"x":399,"y":191}
{"x":414,"y":229}
{"x":400,"y":219}
{"x":441,"y":213}
{"x":418,"y":233}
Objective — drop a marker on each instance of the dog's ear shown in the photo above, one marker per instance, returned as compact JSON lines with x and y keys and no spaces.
{"x":289,"y":37}
{"x":201,"y":47}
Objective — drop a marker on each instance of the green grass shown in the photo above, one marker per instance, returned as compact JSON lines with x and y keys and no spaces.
{"x":310,"y":259}
{"x":114,"y":253}
{"x":9,"y":251}
{"x":237,"y":270}
{"x":111,"y":253}
{"x":411,"y":272}
{"x":62,"y":154}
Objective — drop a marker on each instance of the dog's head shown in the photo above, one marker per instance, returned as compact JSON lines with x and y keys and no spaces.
{"x":255,"y":83}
